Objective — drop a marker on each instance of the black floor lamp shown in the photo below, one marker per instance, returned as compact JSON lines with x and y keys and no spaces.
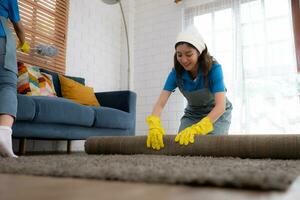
{"x":111,"y":2}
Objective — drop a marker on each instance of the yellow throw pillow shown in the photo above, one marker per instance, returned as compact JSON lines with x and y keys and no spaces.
{"x":77,"y":92}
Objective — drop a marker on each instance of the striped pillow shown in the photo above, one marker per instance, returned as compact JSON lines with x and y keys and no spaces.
{"x":32,"y":82}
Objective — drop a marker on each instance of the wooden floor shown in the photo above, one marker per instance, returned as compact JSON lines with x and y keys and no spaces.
{"x":15,"y":187}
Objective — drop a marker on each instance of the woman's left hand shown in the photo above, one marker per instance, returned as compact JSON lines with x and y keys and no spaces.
{"x":187,"y":136}
{"x":25,"y":47}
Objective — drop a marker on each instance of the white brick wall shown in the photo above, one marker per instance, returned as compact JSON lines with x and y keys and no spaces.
{"x":155,"y":28}
{"x":93,"y":46}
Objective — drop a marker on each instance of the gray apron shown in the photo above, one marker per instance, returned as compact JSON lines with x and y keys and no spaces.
{"x":10,"y":61}
{"x":8,"y":72}
{"x":200,"y":103}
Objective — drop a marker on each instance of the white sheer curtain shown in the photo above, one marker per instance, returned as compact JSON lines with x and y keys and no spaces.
{"x":253,"y":41}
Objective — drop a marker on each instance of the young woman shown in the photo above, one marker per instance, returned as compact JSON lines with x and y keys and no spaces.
{"x":8,"y":72}
{"x":199,"y":78}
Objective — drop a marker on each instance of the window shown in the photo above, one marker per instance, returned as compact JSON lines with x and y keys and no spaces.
{"x":45,"y":22}
{"x":253,"y":41}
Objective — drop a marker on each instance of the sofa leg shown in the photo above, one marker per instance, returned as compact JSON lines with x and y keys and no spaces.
{"x":69,"y":146}
{"x":22,"y":146}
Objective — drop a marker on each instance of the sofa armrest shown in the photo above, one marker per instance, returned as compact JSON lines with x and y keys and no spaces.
{"x":121,"y":100}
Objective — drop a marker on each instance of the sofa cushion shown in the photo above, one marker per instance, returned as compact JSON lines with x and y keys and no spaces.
{"x":27,"y":129}
{"x":112,"y":118}
{"x":62,"y":111}
{"x":26,"y":108}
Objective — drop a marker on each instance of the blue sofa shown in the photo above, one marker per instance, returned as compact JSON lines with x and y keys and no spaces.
{"x":57,"y":118}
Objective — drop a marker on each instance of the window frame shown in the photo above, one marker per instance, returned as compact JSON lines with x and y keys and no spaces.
{"x":45,"y":22}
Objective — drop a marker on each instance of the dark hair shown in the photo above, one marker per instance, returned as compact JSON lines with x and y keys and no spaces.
{"x":205,"y":62}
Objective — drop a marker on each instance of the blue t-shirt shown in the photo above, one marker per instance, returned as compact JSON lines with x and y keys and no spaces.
{"x":215,"y":83}
{"x":9,"y":9}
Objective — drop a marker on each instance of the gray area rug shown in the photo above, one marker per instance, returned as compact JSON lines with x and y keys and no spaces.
{"x":264,"y":174}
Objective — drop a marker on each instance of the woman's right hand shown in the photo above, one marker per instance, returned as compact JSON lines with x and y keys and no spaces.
{"x":155,"y":133}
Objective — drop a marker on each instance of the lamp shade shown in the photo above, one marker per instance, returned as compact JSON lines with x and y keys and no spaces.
{"x":111,"y":1}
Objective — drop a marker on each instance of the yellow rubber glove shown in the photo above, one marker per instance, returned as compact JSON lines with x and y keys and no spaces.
{"x":155,"y":134}
{"x":25,"y":47}
{"x":187,"y":135}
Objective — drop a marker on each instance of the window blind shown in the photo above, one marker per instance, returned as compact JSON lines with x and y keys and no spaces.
{"x":45,"y":22}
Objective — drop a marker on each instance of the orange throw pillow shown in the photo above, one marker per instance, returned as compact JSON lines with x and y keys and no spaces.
{"x":77,"y":92}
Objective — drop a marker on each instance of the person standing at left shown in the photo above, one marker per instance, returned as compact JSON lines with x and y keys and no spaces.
{"x":9,"y":10}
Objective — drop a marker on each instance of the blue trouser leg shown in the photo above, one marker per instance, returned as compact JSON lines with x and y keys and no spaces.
{"x":8,"y":86}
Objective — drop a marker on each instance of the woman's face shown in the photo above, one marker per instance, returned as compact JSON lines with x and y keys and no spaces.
{"x":187,"y":56}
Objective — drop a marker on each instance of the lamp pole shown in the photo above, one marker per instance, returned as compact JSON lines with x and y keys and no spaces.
{"x":127,"y":39}
{"x":128,"y":49}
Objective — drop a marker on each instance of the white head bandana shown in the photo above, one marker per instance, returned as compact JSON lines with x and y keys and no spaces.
{"x":191,"y":35}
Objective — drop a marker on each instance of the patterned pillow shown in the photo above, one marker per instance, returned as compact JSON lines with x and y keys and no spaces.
{"x":46,"y":85}
{"x":32,"y":82}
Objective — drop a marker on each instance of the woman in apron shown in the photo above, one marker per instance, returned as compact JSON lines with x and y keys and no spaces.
{"x":8,"y":72}
{"x":199,"y":78}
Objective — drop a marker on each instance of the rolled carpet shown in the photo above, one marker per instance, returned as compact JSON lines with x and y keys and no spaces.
{"x":243,"y":146}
